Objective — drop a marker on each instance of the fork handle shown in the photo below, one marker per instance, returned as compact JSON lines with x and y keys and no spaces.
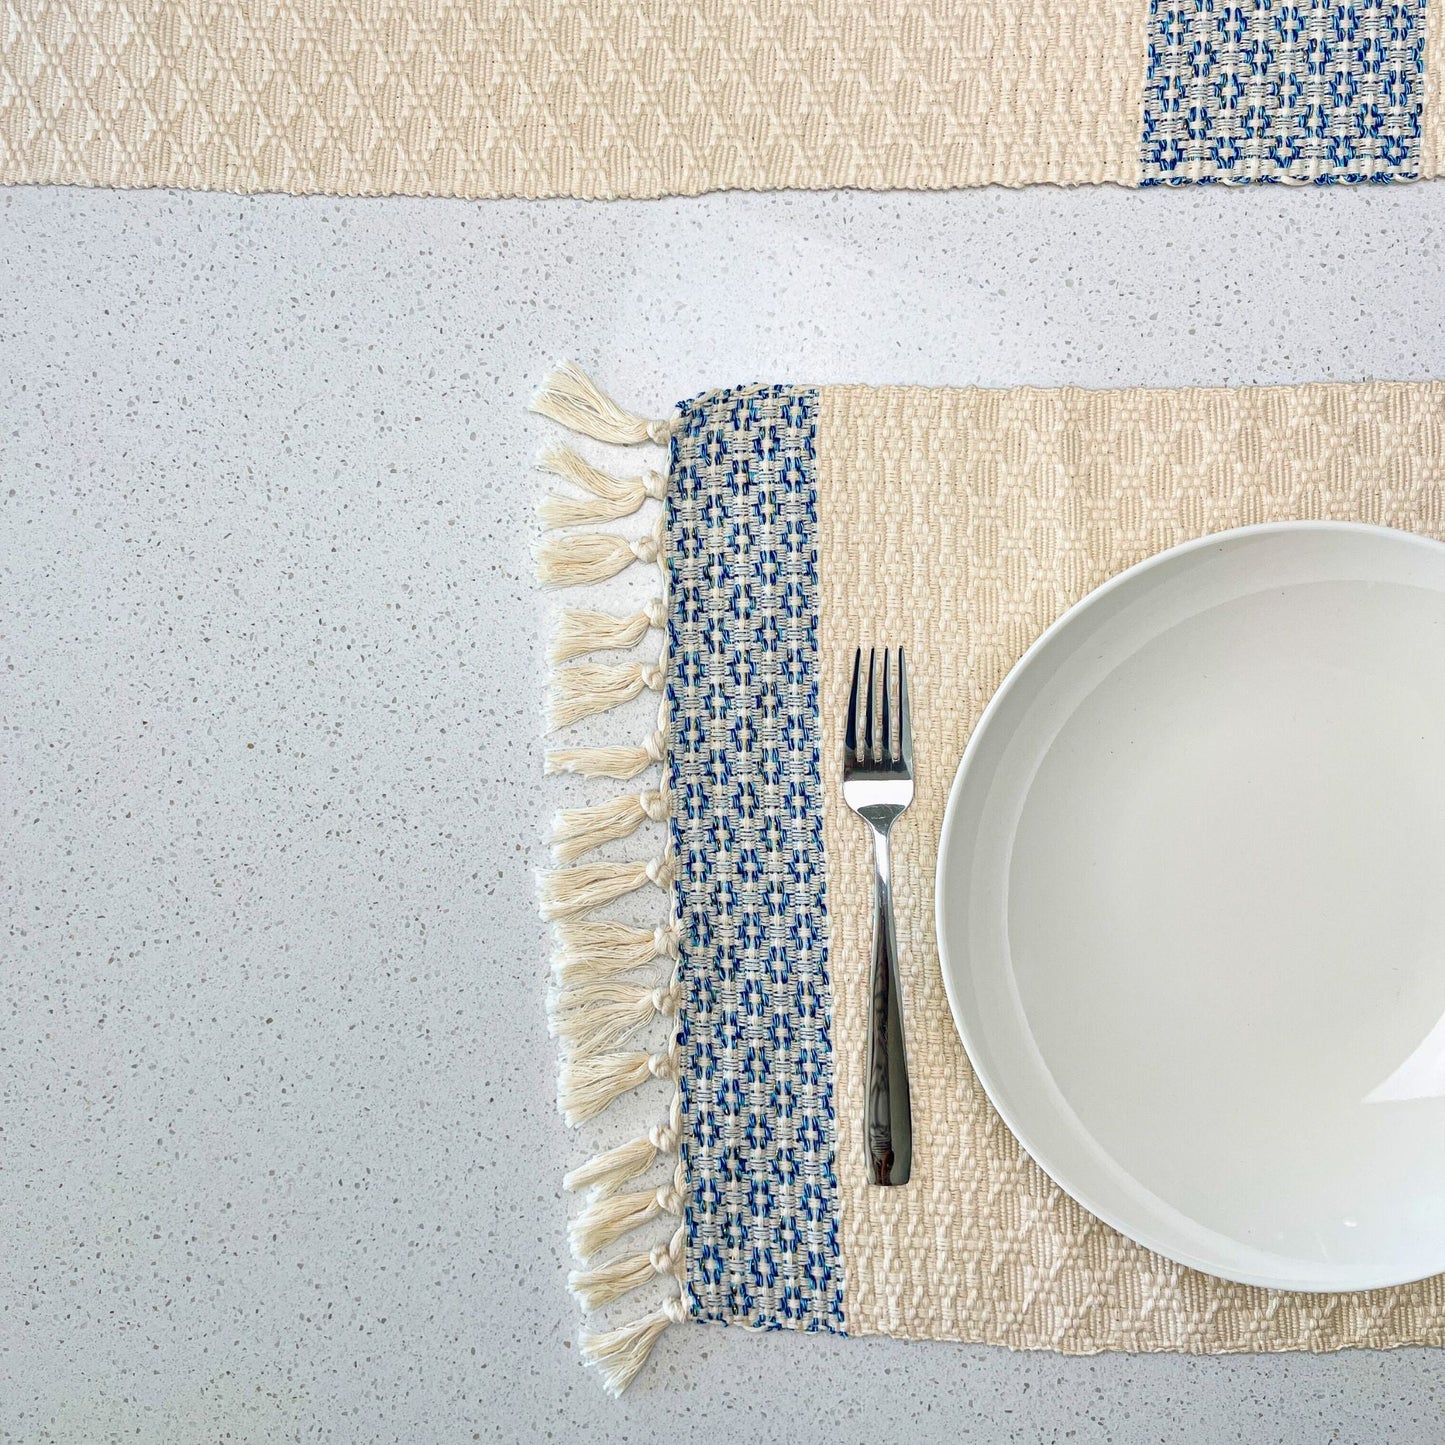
{"x":888,"y":1110}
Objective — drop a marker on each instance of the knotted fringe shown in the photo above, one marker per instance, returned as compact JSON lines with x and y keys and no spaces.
{"x":600,"y":1001}
{"x":595,"y":1016}
{"x":576,"y":831}
{"x":578,"y":558}
{"x":564,"y":892}
{"x":589,"y":1083}
{"x":624,"y":764}
{"x":580,"y":632}
{"x":592,"y":948}
{"x":568,"y":395}
{"x":597,"y":1288}
{"x":608,"y":497}
{"x":587,"y":688}
{"x":620,"y":1354}
{"x":610,"y":1216}
{"x":606,"y":1172}
{"x":613,"y":1168}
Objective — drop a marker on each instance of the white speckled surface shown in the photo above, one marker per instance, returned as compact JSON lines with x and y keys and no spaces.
{"x":278,"y":1153}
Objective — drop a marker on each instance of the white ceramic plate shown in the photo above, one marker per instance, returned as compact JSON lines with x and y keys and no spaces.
{"x":1191,"y":904}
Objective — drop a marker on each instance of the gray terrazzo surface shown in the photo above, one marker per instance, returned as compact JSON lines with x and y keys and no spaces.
{"x":279,"y":1158}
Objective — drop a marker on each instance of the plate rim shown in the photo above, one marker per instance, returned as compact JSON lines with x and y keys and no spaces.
{"x":1348,"y":1281}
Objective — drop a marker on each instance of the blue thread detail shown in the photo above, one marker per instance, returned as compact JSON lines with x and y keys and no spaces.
{"x":1322,"y":91}
{"x":758,"y":1139}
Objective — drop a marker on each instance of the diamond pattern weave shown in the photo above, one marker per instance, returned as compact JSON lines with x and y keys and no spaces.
{"x":961,"y":523}
{"x":761,"y":1208}
{"x":587,"y":98}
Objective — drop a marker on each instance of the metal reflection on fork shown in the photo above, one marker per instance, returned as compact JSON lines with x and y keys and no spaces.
{"x":878,"y":786}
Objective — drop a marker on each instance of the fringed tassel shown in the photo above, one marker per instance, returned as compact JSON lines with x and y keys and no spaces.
{"x":609,"y":1171}
{"x":576,"y":831}
{"x":587,"y":688}
{"x":569,"y":396}
{"x":623,"y":764}
{"x":591,"y":1017}
{"x":608,"y":497}
{"x":580,"y":632}
{"x":595,"y":1289}
{"x":620,"y":1354}
{"x":578,"y":558}
{"x":565,"y":892}
{"x":600,"y":948}
{"x":594,"y":1010}
{"x":589,"y":1084}
{"x":610,"y":1216}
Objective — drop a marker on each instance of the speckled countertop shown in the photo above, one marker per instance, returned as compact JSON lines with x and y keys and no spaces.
{"x":278,"y":1152}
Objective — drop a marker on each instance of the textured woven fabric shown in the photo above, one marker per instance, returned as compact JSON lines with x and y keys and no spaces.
{"x":756,"y":1069}
{"x":1327,"y":90}
{"x":960,"y":523}
{"x":592,"y":99}
{"x":609,"y":98}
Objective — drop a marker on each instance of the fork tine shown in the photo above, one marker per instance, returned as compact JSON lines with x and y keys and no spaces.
{"x":868,"y":739}
{"x":850,"y":737}
{"x":905,"y":729}
{"x":887,"y":739}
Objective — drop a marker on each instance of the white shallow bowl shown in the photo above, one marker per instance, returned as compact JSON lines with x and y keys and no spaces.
{"x":1191,"y":904}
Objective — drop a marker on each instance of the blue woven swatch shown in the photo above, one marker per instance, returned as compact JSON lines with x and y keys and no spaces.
{"x":756,"y":1064}
{"x":1319,"y":91}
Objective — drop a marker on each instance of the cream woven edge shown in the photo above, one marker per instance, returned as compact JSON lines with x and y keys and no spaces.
{"x":960,"y":523}
{"x":1432,"y":120}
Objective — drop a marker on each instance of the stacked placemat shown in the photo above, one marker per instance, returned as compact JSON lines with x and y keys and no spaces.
{"x":795,"y":523}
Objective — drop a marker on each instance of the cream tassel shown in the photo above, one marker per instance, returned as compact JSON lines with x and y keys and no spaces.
{"x":620,"y":763}
{"x":562,"y":892}
{"x":592,"y":1017}
{"x":580,"y":632}
{"x":588,"y":1085}
{"x":621,"y":1353}
{"x":610,"y":1216}
{"x":577,"y":558}
{"x":589,"y":948}
{"x":587,"y":688}
{"x":611,"y":1169}
{"x":576,"y":831}
{"x":609,"y":497}
{"x":595,"y":1289}
{"x":569,"y":396}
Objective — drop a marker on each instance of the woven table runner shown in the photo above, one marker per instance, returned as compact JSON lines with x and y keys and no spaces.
{"x":796,"y":523}
{"x":604,"y":98}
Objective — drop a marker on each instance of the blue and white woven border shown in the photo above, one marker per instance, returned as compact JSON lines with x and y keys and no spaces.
{"x":747,"y":833}
{"x":744,"y":956}
{"x":1322,"y":91}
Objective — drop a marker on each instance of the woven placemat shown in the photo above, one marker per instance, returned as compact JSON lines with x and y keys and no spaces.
{"x":795,"y":522}
{"x":614,"y":98}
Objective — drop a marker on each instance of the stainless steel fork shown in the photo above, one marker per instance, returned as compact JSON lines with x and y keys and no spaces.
{"x":878,"y":786}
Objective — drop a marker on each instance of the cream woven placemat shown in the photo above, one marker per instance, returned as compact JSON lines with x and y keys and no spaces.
{"x":602,"y":98}
{"x":961,"y":523}
{"x":797,"y":522}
